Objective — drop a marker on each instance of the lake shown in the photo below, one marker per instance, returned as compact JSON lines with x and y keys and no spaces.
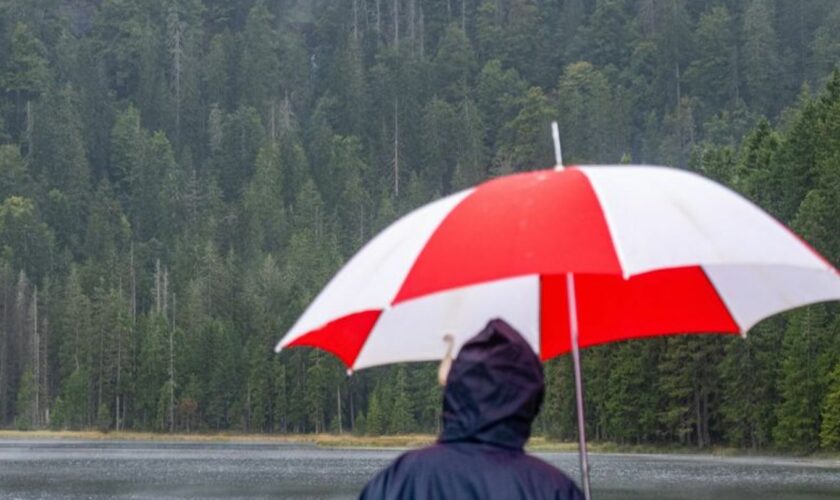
{"x":48,"y":469}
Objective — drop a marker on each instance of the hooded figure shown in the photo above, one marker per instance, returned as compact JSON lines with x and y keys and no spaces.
{"x":493,"y":393}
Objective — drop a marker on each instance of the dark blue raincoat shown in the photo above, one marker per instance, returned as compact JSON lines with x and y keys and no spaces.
{"x":493,"y":393}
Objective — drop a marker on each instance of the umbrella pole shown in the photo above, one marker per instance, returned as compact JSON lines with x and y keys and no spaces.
{"x":573,"y":333}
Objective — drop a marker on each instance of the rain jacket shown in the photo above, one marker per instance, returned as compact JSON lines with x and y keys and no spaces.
{"x":493,"y":393}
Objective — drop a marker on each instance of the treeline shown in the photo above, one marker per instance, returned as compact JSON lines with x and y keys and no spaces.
{"x":179,"y":178}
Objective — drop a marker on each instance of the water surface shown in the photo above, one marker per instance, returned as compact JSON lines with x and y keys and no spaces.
{"x":49,"y":469}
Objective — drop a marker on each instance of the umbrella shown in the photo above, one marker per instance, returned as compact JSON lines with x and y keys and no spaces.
{"x":571,"y":257}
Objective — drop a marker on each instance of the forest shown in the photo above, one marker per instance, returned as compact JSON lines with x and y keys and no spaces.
{"x":179,"y":178}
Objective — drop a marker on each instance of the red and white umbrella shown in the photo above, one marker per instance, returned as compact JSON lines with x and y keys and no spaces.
{"x":652,"y":251}
{"x":570,"y":257}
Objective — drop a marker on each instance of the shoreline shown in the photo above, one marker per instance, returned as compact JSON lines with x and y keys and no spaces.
{"x":408,"y":441}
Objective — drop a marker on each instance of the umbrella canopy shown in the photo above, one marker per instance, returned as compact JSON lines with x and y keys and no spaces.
{"x":653,"y":251}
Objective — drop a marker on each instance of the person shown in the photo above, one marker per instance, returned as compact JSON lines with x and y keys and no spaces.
{"x":493,"y":392}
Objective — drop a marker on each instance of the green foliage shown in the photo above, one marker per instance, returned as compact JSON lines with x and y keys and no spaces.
{"x":241,"y":138}
{"x":762,"y":62}
{"x":377,"y":414}
{"x":710,"y":76}
{"x":802,"y":380}
{"x":750,"y":375}
{"x":260,"y":67}
{"x":454,"y":64}
{"x":558,"y":414}
{"x":439,"y":136}
{"x":360,"y":428}
{"x":592,"y":116}
{"x":103,"y":418}
{"x":401,"y":418}
{"x":520,"y":144}
{"x":26,"y":70}
{"x":25,"y":241}
{"x":14,"y":178}
{"x":250,"y":148}
{"x":498,"y":94}
{"x":830,"y":426}
{"x":631,"y":410}
{"x":25,"y":401}
{"x":73,"y":413}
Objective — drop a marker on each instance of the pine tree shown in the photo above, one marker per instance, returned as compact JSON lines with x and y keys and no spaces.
{"x":800,"y":384}
{"x":830,"y":426}
{"x":472,"y":154}
{"x":521,"y":143}
{"x":241,"y":138}
{"x":265,"y":213}
{"x":591,"y":115}
{"x":454,"y":64}
{"x":59,"y":162}
{"x":439,"y":143}
{"x":25,"y":240}
{"x":260,"y":69}
{"x":377,"y":416}
{"x":558,"y":414}
{"x":74,"y":410}
{"x":631,"y":406}
{"x":401,"y":418}
{"x":25,"y":418}
{"x":762,"y":65}
{"x":498,"y":97}
{"x":14,"y":177}
{"x":710,"y":77}
{"x":25,"y":75}
{"x":749,"y":372}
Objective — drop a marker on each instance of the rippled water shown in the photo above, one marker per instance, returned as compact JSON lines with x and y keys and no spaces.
{"x":115,"y":469}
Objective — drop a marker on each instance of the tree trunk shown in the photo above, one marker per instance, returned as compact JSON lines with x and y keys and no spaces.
{"x":117,"y":395}
{"x":378,"y":21}
{"x":133,"y":285}
{"x":338,"y":400}
{"x":157,"y":287}
{"x":397,"y":24}
{"x":166,"y":294}
{"x":698,"y":419}
{"x":30,"y":127}
{"x":172,"y":383}
{"x":46,"y":369}
{"x":36,"y":359}
{"x":101,"y":368}
{"x":412,"y":21}
{"x":679,"y":88}
{"x":396,"y":149}
{"x":422,"y":35}
{"x":355,"y":20}
{"x":352,"y":406}
{"x":4,"y":365}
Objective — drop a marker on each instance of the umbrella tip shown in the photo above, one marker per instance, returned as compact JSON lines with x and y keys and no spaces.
{"x":558,"y":153}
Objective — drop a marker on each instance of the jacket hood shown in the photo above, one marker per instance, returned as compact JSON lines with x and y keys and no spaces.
{"x":494,"y":389}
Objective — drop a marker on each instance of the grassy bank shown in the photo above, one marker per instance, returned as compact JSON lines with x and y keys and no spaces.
{"x":537,"y":443}
{"x":326,"y":440}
